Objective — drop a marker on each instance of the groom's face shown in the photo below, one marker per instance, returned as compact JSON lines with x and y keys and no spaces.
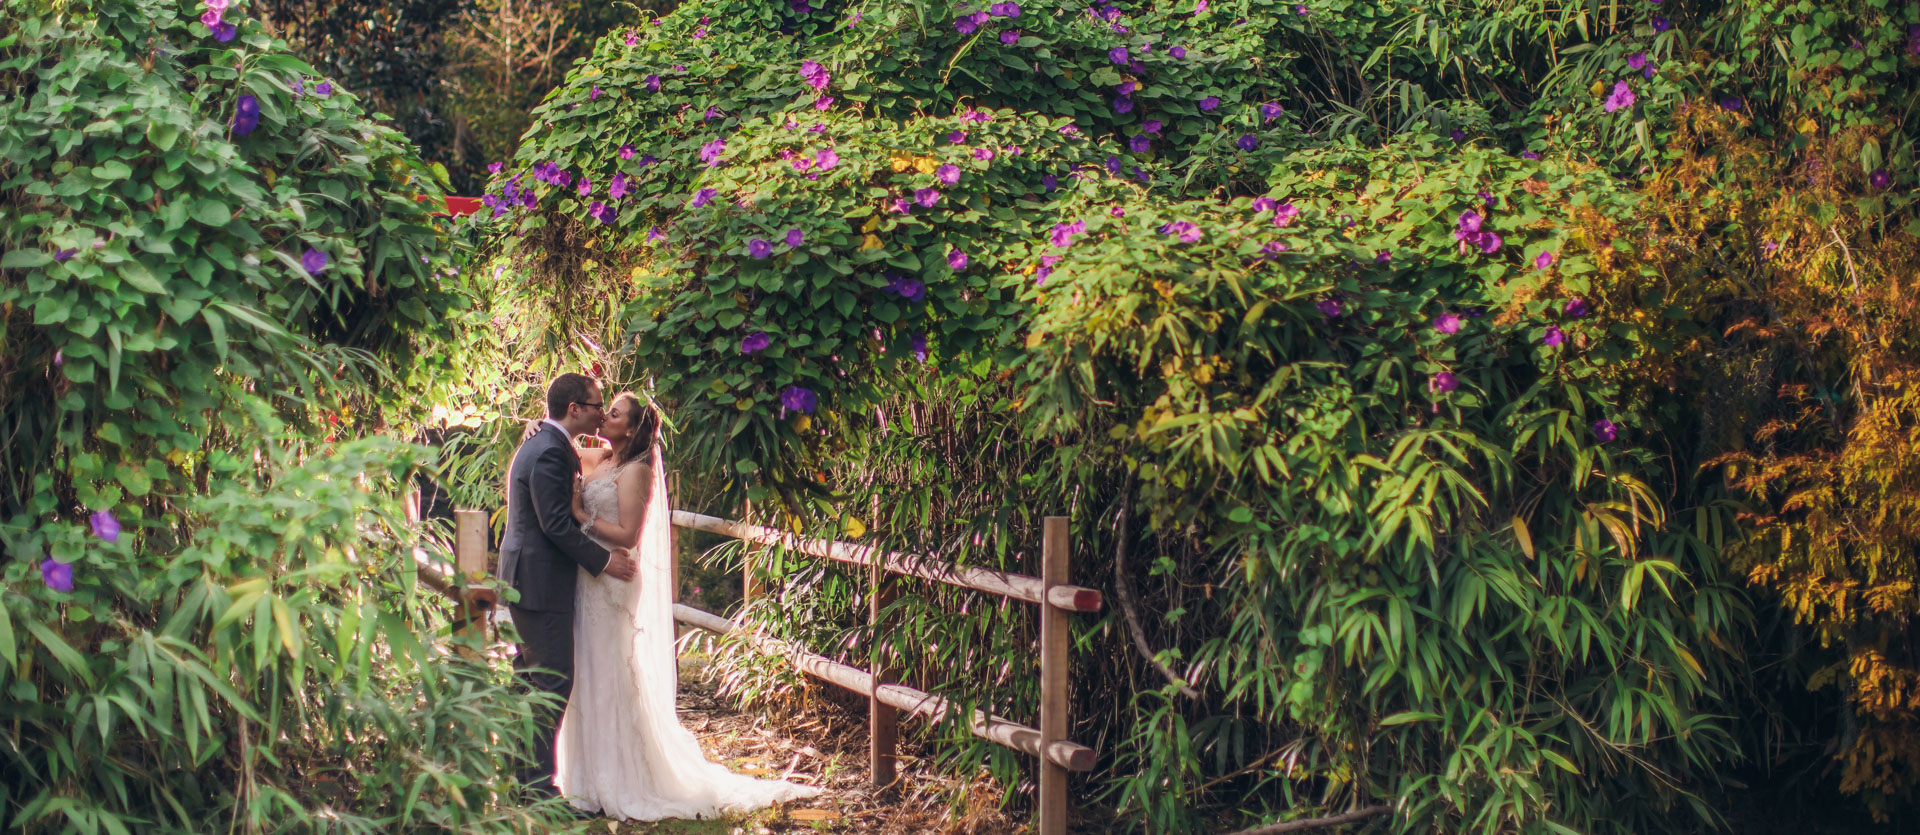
{"x":589,"y":414}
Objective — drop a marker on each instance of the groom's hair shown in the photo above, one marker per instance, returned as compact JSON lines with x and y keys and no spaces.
{"x":565,"y":390}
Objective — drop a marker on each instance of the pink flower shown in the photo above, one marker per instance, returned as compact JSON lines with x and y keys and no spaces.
{"x":1543,"y":260}
{"x":1447,"y":323}
{"x":957,"y":259}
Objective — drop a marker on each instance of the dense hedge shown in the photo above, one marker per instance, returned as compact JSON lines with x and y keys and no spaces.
{"x":220,"y":285}
{"x":1397,"y":326}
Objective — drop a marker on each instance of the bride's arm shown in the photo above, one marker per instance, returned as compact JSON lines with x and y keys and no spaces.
{"x":633,"y":488}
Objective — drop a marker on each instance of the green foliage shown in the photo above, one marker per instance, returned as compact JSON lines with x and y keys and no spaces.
{"x":249,"y":650}
{"x":1466,"y":601}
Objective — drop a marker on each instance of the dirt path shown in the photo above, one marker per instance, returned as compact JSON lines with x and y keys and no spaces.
{"x":825,"y":747}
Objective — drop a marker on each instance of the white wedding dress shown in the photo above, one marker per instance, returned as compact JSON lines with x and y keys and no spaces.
{"x":621,"y":750}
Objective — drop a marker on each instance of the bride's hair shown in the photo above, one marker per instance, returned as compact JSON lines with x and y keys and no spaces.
{"x":642,"y":427}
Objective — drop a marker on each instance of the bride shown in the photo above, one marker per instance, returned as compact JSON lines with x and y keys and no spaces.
{"x":621,"y":751}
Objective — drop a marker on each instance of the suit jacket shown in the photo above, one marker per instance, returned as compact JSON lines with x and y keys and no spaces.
{"x":543,"y":548}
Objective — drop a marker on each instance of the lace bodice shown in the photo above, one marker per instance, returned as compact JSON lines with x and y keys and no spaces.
{"x":601,"y":495}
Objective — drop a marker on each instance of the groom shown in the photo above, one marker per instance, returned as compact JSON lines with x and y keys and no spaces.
{"x":542,"y":550}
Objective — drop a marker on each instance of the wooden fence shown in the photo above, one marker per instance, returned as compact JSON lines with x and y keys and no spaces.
{"x":1052,"y":591}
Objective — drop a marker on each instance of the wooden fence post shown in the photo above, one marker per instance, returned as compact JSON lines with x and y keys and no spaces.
{"x":1054,"y":624}
{"x":883,"y":720}
{"x":749,"y":580}
{"x":673,"y":539}
{"x":469,"y":559}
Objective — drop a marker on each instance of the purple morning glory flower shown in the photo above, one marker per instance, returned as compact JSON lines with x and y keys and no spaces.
{"x":1285,"y":214}
{"x":647,"y":159}
{"x":700,"y":33}
{"x":1731,"y":104}
{"x":1185,"y":231}
{"x":756,"y":341}
{"x":1543,"y":261}
{"x":795,"y":237}
{"x":759,"y":247}
{"x":1469,"y":225}
{"x":703,"y":197}
{"x":57,"y":575}
{"x":1269,"y":112}
{"x":617,"y":188}
{"x":1554,"y":336}
{"x":1879,"y":178}
{"x":815,"y":75}
{"x":926,"y":197}
{"x":1049,"y":182}
{"x":1152,"y":126}
{"x":710,"y":152}
{"x":656,"y":235}
{"x":594,"y":95}
{"x":826,"y":159}
{"x":585,"y":188}
{"x":1264,"y":204}
{"x":1486,"y":198}
{"x":965,"y":25}
{"x":1178,"y":52}
{"x":948,"y":174}
{"x":919,"y":347}
{"x":1126,"y":88}
{"x":823,"y":103}
{"x":1447,"y":323}
{"x":1457,"y":135}
{"x":1637,"y":60}
{"x":1529,"y":155}
{"x":323,"y":89}
{"x":1576,"y":308}
{"x":313,"y":261}
{"x":1490,"y":242}
{"x":1622,"y":97}
{"x":224,"y":31}
{"x":601,"y":212}
{"x":1661,"y":24}
{"x":983,"y":153}
{"x":1209,"y":102}
{"x":1139,"y":143}
{"x":1443,"y":382}
{"x":957,"y":259}
{"x":1247,"y":142}
{"x":1329,"y":308}
{"x":1117,"y":55}
{"x":1010,"y":37}
{"x":64,"y":254}
{"x":957,"y":137}
{"x":1605,"y":430}
{"x":653,"y":83}
{"x":246,"y":115}
{"x":905,"y":287}
{"x":711,"y":114}
{"x":1122,"y":105}
{"x":799,"y":399}
{"x":105,"y":526}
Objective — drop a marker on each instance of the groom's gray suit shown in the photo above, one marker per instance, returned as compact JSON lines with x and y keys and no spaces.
{"x":540,"y":556}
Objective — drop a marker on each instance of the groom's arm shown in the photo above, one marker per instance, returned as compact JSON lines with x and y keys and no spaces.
{"x":550,"y":486}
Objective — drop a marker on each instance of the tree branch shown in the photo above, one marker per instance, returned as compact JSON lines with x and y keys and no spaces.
{"x":1125,"y":593}
{"x":1317,"y":823}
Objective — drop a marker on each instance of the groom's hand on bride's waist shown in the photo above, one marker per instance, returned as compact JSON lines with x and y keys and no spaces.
{"x":620,"y":565}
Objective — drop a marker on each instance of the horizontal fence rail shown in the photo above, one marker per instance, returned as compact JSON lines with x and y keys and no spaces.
{"x":1070,"y":755}
{"x":1016,"y":586}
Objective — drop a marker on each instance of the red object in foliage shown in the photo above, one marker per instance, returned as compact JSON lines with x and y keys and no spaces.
{"x":456,"y":206}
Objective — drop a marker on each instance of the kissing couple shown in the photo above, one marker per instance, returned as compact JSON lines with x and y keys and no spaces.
{"x":588,"y":549}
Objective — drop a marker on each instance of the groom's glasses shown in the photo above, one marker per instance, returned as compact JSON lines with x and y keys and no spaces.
{"x":595,"y":405}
